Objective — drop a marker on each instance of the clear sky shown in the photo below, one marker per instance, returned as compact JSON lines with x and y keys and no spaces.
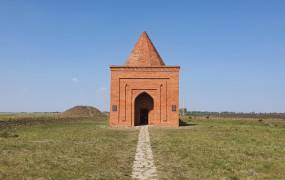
{"x":56,"y":54}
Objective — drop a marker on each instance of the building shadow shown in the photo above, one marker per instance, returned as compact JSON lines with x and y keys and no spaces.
{"x":184,"y":123}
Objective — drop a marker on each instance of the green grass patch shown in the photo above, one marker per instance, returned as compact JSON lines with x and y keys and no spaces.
{"x":221,"y":149}
{"x":83,"y":149}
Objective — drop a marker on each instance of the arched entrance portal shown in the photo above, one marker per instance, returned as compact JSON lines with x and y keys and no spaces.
{"x":143,"y":107}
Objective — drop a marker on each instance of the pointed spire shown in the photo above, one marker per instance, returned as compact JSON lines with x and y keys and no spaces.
{"x":144,"y":54}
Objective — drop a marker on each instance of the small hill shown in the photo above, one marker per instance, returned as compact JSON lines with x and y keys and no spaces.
{"x":83,"y":111}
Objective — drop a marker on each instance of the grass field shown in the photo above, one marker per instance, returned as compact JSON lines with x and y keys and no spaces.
{"x":44,"y":146}
{"x":84,"y":149}
{"x":221,"y":149}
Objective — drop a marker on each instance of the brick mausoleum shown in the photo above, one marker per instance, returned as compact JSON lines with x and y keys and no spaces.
{"x":144,"y":90}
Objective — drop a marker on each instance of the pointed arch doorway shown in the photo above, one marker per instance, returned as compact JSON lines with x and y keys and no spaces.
{"x":143,"y":106}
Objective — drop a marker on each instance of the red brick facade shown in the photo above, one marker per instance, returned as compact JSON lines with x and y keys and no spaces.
{"x":144,"y":90}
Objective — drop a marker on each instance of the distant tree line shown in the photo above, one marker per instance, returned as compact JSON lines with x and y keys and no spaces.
{"x":226,"y":114}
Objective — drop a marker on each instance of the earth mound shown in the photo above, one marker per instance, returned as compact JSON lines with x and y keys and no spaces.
{"x":83,"y":111}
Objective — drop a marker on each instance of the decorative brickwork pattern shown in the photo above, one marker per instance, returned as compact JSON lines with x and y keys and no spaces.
{"x":144,"y":53}
{"x":144,"y":90}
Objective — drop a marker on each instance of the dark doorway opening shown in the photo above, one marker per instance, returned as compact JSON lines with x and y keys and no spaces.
{"x":144,"y":117}
{"x":143,"y":107}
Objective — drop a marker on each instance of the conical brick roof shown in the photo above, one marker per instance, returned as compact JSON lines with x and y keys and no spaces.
{"x":144,"y":54}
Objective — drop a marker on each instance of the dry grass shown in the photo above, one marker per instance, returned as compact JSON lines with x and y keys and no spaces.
{"x":221,"y":149}
{"x":82,"y":111}
{"x":84,"y":149}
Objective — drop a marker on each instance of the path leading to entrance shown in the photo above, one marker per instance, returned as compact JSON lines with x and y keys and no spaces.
{"x":143,"y":167}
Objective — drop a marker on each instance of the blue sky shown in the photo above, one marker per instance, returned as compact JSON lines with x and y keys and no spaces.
{"x":56,"y":54}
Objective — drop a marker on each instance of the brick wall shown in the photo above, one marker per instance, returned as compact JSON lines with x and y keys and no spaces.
{"x":161,"y":83}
